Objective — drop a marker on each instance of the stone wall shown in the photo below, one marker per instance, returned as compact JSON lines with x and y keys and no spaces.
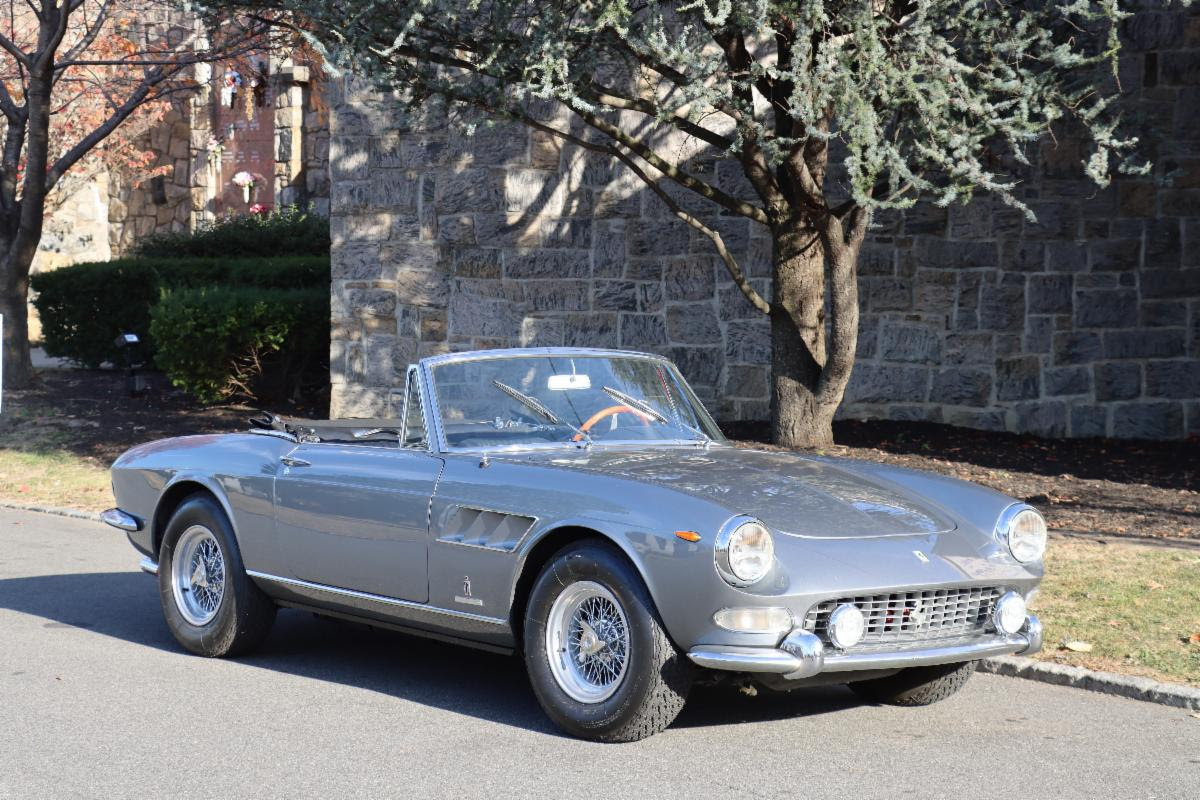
{"x":1086,"y":323}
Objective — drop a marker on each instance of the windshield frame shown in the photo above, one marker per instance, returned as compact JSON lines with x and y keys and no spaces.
{"x":434,"y":411}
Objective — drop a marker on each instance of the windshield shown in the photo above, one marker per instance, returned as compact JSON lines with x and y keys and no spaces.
{"x":532,"y":400}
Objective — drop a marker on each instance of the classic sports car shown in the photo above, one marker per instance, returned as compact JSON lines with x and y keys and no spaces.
{"x":580,"y":507}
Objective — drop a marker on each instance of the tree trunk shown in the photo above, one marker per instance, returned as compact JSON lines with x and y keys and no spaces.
{"x":18,"y":367}
{"x":807,"y":387}
{"x":14,"y":305}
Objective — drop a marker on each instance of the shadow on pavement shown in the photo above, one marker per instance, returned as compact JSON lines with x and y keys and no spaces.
{"x":124,"y":605}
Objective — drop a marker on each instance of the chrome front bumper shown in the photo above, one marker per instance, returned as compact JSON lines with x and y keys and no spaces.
{"x":802,"y":654}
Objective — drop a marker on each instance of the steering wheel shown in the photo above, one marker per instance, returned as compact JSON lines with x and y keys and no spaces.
{"x":605,"y":413}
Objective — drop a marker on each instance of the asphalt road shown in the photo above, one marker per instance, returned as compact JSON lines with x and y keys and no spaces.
{"x":96,"y":700}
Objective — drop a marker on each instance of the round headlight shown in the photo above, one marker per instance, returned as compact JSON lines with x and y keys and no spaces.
{"x":1009,"y":615}
{"x":1025,"y":533}
{"x":744,"y":551}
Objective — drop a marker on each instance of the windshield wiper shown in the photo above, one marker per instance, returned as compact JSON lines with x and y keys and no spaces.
{"x":536,"y":406}
{"x":651,"y":411}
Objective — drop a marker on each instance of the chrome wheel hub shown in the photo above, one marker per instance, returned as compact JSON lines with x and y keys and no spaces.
{"x":198,"y":575}
{"x":587,"y":642}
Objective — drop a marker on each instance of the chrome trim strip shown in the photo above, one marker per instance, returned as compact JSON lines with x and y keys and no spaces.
{"x":147,"y":566}
{"x":778,"y":661}
{"x":744,"y":659}
{"x":542,"y":352}
{"x":291,"y":437}
{"x":374,"y":598}
{"x":121,"y":519}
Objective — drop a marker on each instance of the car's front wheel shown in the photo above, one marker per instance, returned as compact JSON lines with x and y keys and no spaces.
{"x":210,"y":604}
{"x":916,"y":686}
{"x":600,"y":662}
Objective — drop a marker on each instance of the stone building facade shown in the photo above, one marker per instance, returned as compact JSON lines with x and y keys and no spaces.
{"x":1085,"y":323}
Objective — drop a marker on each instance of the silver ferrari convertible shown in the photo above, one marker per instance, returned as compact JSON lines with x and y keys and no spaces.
{"x":581,"y":508}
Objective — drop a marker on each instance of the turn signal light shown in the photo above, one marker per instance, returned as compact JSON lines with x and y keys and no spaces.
{"x":688,"y":536}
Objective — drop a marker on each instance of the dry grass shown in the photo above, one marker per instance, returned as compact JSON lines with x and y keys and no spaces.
{"x":1137,"y":606}
{"x":53,"y":478}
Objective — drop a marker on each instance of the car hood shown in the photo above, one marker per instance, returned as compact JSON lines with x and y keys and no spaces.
{"x":791,"y":493}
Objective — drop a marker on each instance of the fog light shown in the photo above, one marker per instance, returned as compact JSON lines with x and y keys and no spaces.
{"x":846,"y":626}
{"x":1009,"y":615}
{"x":754,"y":620}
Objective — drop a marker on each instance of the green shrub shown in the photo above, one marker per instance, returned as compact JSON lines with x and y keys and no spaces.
{"x":289,"y":231}
{"x":223,"y":343}
{"x":84,"y":307}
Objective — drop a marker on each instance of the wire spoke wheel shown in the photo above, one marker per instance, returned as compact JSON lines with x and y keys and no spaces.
{"x":587,"y":642}
{"x":198,"y":575}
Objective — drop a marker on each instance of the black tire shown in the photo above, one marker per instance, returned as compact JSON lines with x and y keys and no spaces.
{"x":916,"y":686}
{"x":657,"y":676}
{"x":245,"y":614}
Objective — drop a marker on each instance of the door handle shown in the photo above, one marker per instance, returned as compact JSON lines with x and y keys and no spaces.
{"x":288,"y":461}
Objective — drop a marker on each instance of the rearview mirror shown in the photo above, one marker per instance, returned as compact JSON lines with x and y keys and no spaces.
{"x":560,"y":383}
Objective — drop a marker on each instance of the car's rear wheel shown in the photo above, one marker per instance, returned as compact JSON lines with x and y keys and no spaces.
{"x":598,"y":657}
{"x":210,"y":604}
{"x":916,"y":686}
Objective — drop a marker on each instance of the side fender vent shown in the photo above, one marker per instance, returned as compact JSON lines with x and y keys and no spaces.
{"x":480,"y":527}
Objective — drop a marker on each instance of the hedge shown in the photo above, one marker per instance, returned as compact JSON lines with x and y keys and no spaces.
{"x":220,"y":343}
{"x":84,"y":307}
{"x":289,"y":231}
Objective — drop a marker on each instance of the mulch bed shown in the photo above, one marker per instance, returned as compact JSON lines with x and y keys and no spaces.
{"x":1111,"y":487}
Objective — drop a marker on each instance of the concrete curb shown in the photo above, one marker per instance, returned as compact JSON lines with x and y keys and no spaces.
{"x":1167,"y":694}
{"x":74,"y":513}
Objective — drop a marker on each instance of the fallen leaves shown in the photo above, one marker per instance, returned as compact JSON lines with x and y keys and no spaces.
{"x":1194,"y":638}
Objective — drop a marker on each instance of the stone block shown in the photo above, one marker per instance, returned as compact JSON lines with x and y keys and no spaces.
{"x":1157,"y":420}
{"x":877,"y":259}
{"x":1173,"y":379}
{"x":695,"y":323}
{"x":534,"y":192}
{"x":536,"y":263}
{"x":699,"y":365}
{"x":746,"y":381}
{"x":945,"y":254}
{"x":640,"y":331}
{"x":1018,"y":378}
{"x":650,"y":296}
{"x":614,"y":296}
{"x":1153,"y":30}
{"x":500,"y":145}
{"x":886,"y":383}
{"x":467,"y":190}
{"x":968,"y":348}
{"x":912,"y":343}
{"x":1179,"y":67}
{"x":1150,"y":343}
{"x":356,"y":262}
{"x":689,"y":278}
{"x":478,"y":262}
{"x":1089,"y":421}
{"x":608,"y":248}
{"x":1023,"y":256}
{"x":1117,"y":381}
{"x":1164,"y":314}
{"x":1074,"y":347}
{"x":565,"y":233}
{"x":936,"y":290}
{"x":1039,"y":332}
{"x":1054,"y":221}
{"x":1170,"y":283}
{"x":1002,"y":308}
{"x":393,"y":190}
{"x":1049,"y":294}
{"x":748,"y":341}
{"x":1047,"y":418}
{"x":1104,"y":308}
{"x":732,"y":303}
{"x":655,"y":238}
{"x":962,"y":386}
{"x":979,"y":420}
{"x":1059,"y":381}
{"x":542,"y":332}
{"x":1114,"y":255}
{"x":887,"y":294}
{"x":1164,"y":243}
{"x":371,"y":302}
{"x":558,"y":296}
{"x":421,"y":287}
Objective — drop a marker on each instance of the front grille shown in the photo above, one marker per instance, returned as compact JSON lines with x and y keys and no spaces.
{"x":913,"y":617}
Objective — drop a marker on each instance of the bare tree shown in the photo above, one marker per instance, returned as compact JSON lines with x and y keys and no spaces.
{"x":72,"y":73}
